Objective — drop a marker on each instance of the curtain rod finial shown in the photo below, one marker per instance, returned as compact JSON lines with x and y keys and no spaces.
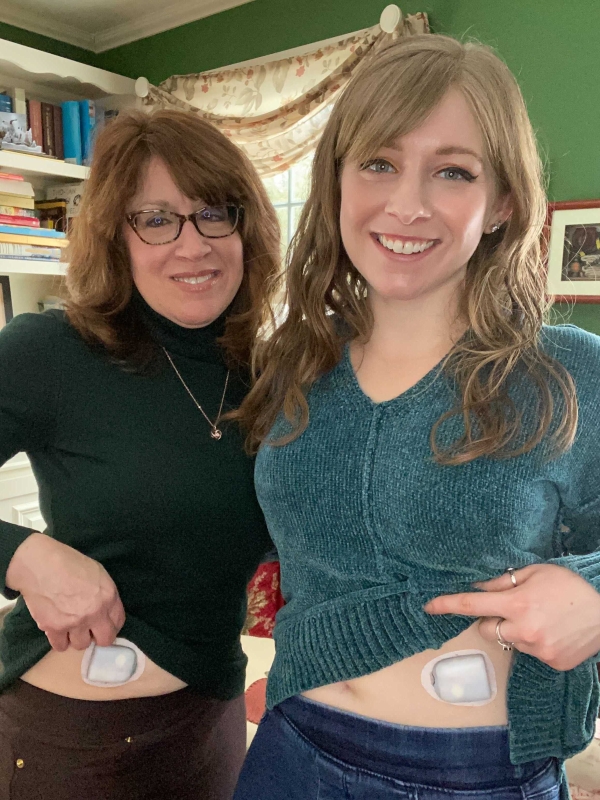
{"x":142,"y":87}
{"x":391,"y":18}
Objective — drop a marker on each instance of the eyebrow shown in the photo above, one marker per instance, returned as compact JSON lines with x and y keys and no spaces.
{"x":450,"y":150}
{"x":161,"y":205}
{"x":463,"y":151}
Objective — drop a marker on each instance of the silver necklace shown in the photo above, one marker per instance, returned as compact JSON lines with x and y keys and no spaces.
{"x":216,"y":433}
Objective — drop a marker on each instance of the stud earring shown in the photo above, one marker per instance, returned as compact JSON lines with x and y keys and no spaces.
{"x":495,"y":227}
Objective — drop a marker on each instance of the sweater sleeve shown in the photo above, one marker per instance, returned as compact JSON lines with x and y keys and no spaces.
{"x":580,"y":486}
{"x":29,"y":384}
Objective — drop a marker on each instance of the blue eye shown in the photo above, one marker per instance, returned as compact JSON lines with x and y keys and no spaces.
{"x":457,"y":174}
{"x":213,"y":214}
{"x":379,"y":166}
{"x":153,"y":221}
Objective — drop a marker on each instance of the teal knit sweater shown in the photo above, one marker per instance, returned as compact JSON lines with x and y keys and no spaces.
{"x":369,"y":528}
{"x":129,"y":475}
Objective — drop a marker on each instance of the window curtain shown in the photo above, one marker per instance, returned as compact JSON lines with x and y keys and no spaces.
{"x":276,"y":111}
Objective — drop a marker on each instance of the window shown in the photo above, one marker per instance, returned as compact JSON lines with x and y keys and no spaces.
{"x":288,"y":192}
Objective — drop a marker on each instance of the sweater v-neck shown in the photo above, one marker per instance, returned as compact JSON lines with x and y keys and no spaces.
{"x":421,"y":387}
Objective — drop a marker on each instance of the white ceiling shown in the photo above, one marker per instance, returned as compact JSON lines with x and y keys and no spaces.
{"x":99,"y":25}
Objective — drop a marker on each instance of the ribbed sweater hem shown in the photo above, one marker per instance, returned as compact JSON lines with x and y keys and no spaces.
{"x":337,"y":642}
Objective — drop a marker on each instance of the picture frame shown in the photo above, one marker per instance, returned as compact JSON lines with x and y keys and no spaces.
{"x":6,"y":309}
{"x":573,"y":251}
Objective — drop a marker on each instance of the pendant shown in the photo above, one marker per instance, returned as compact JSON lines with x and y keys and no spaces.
{"x":216,"y":433}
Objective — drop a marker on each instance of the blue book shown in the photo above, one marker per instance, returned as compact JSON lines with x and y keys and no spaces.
{"x":72,"y":132}
{"x":25,"y":230}
{"x":87,"y":113}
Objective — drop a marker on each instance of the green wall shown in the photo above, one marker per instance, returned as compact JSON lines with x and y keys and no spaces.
{"x":551,"y":46}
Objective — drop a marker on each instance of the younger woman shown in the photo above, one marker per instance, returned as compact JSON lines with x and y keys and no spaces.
{"x":424,"y":436}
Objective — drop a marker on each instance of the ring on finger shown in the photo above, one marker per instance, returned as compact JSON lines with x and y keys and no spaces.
{"x":513,"y":577}
{"x":501,"y":640}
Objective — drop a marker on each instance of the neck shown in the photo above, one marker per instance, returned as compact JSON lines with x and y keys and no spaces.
{"x":418,"y":328}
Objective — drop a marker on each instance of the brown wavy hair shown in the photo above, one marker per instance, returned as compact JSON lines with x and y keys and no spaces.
{"x":203,"y":164}
{"x":504,"y":299}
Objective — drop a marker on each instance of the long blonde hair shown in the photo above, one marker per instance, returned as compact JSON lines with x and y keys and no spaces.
{"x":504,"y":297}
{"x":203,"y":164}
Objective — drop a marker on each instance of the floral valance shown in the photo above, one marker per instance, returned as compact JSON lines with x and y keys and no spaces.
{"x":276,"y":111}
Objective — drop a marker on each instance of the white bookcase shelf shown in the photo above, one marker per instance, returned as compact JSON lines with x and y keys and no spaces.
{"x":29,"y":165}
{"x":15,"y":266}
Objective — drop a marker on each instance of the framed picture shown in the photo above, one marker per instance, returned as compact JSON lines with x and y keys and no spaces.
{"x":574,"y":251}
{"x":6,"y":310}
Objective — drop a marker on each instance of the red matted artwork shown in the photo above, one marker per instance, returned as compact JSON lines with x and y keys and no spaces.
{"x":573,"y":236}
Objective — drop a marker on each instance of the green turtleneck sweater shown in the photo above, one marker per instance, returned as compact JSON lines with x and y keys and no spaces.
{"x":129,"y":475}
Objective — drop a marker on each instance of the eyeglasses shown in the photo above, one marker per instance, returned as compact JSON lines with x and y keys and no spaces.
{"x":161,"y":227}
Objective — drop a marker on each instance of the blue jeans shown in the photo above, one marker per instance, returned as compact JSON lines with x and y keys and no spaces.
{"x":309,"y":751}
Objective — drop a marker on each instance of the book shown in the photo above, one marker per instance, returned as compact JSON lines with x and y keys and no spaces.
{"x":58,"y":132}
{"x":87,"y":117}
{"x":34,"y":120}
{"x":72,"y":132}
{"x":18,"y":200}
{"x":16,"y":187}
{"x":33,"y":231}
{"x":14,"y":211}
{"x":18,"y":222}
{"x":53,"y":214}
{"x":48,"y":129}
{"x":7,"y":238}
{"x":10,"y":176}
{"x":70,"y":192}
{"x":18,"y":100}
{"x":26,"y":251}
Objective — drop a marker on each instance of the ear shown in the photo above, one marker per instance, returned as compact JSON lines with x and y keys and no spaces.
{"x":501,"y":211}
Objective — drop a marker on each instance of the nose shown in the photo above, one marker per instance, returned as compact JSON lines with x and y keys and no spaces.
{"x":192,"y":244}
{"x":408,"y":200}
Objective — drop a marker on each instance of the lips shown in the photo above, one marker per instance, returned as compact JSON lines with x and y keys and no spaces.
{"x":195,"y":278}
{"x":404,"y":246}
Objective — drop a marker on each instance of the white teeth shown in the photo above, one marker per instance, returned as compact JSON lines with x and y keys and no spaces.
{"x":194,"y":280}
{"x":404,"y":247}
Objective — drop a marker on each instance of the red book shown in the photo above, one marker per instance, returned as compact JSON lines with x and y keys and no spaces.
{"x":31,"y":222}
{"x":48,"y":129}
{"x":34,"y":120}
{"x":10,"y":177}
{"x":58,"y":132}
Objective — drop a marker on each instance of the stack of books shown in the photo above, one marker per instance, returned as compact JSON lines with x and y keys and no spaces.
{"x":21,"y":236}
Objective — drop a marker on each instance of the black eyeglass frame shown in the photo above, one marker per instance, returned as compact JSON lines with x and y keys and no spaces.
{"x":183,"y":218}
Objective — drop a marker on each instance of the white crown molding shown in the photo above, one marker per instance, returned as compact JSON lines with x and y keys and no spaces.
{"x":36,"y":23}
{"x":171,"y":17}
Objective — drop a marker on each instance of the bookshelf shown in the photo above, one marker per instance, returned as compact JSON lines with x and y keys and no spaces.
{"x":51,"y":79}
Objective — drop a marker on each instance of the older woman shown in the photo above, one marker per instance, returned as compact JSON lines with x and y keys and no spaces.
{"x":153,"y":525}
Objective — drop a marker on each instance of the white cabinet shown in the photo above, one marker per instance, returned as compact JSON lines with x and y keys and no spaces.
{"x":19,"y":497}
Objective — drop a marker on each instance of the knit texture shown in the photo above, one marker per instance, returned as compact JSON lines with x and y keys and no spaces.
{"x":369,"y":528}
{"x":129,"y":475}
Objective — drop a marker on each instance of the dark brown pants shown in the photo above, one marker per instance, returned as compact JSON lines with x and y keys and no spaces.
{"x":178,"y":746}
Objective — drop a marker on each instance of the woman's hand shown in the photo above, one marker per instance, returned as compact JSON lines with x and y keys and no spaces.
{"x":71,"y":597}
{"x":552,"y":613}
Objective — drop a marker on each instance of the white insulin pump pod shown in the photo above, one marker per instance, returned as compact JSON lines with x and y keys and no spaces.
{"x":464,"y":677}
{"x":115,"y":665}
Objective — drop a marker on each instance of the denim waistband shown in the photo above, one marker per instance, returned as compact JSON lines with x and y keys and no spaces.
{"x":456,"y":756}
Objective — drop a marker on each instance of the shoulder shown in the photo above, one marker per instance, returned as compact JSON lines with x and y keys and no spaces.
{"x":38,"y":337}
{"x":577,"y":350}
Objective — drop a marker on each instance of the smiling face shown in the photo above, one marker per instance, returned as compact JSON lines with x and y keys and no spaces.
{"x":192,"y":280}
{"x":412,"y":216}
